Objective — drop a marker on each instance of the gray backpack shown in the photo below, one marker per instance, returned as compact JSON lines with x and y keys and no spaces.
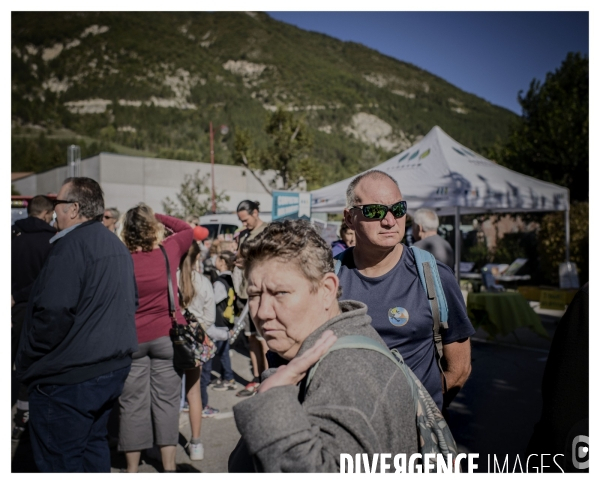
{"x":433,"y":433}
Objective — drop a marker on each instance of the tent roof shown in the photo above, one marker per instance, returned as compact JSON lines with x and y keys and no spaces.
{"x":440,"y":173}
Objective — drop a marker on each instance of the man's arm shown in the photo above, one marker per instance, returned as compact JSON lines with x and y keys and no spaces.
{"x":457,"y":357}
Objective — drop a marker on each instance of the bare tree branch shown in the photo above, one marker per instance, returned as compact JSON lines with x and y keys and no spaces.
{"x":295,"y":133}
{"x":296,"y":184}
{"x":247,"y":165}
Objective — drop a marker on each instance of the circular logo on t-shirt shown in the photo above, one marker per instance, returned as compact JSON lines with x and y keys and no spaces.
{"x":398,"y":316}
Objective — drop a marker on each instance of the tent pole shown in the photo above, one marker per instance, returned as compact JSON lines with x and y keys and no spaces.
{"x":457,"y":243}
{"x":567,"y":233}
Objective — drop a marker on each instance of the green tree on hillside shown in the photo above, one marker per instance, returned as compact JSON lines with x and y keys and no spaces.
{"x":288,"y":152}
{"x":550,"y":140}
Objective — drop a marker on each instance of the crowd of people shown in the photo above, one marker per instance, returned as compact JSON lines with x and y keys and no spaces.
{"x":91,"y":331}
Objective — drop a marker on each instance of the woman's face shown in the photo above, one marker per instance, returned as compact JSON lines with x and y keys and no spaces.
{"x":283,"y":307}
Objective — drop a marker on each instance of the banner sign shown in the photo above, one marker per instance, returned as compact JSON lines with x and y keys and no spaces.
{"x":291,"y":205}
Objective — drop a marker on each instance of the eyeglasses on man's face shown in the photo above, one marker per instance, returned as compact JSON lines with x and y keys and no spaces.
{"x":378,"y":211}
{"x":108,"y":217}
{"x":58,"y":202}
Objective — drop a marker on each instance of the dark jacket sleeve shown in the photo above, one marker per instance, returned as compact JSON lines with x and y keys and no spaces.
{"x":54,"y":301}
{"x":22,"y":295}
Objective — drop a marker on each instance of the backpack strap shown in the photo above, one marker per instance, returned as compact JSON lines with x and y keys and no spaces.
{"x":354,"y":341}
{"x":432,"y":284}
{"x":337,"y":262}
{"x":433,"y":434}
{"x":365,"y":343}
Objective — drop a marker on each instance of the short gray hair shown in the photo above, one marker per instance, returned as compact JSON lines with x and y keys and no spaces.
{"x":114,"y":213}
{"x":427,"y":219}
{"x":351,"y":198}
{"x":88,"y":194}
{"x":291,"y":241}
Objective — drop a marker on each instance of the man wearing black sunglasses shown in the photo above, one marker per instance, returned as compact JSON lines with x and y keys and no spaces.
{"x":78,"y":335}
{"x":380,"y":272}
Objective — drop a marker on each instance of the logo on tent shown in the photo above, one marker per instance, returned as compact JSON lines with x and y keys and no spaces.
{"x":404,"y":157}
{"x":425,"y":155}
{"x":414,"y":155}
{"x":458,"y":151}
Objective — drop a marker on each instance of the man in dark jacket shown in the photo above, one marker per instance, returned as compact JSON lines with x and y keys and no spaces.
{"x":78,"y":335}
{"x":30,"y":246}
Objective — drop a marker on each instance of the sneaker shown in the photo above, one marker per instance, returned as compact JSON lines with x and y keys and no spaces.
{"x":17,"y":432}
{"x":209,"y":412}
{"x":186,"y":407}
{"x":213,"y":383}
{"x":224,"y":385}
{"x":196,"y":451}
{"x":250,"y":389}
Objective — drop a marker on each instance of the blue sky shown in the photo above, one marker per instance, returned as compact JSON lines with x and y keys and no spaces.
{"x":491,"y":54}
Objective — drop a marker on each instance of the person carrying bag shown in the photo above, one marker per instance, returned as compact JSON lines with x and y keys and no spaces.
{"x":191,"y":345}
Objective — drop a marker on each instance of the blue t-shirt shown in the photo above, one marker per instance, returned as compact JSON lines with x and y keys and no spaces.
{"x":400,"y":313}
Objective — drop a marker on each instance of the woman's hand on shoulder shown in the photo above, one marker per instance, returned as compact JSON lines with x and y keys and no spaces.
{"x":295,"y":370}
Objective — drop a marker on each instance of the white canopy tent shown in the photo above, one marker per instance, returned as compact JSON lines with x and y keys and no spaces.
{"x":441,"y":174}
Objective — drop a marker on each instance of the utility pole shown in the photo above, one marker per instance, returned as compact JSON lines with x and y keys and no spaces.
{"x":212,"y":169}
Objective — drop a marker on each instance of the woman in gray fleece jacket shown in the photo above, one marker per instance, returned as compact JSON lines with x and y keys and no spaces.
{"x":358,"y":401}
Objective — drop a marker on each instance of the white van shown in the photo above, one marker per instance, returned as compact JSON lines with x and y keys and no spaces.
{"x":225,"y":224}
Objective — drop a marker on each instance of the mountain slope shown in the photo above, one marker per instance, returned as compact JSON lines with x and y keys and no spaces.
{"x":153,"y":82}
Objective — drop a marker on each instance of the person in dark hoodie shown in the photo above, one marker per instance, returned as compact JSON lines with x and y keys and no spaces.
{"x":78,"y":335}
{"x":347,"y":239}
{"x":30,"y":245}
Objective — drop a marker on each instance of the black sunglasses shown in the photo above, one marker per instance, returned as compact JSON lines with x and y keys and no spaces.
{"x":57,"y":202}
{"x":377,"y":211}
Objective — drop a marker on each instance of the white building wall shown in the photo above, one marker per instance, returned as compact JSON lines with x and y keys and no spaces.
{"x":26,"y":185}
{"x":50,"y":181}
{"x":128,"y":180}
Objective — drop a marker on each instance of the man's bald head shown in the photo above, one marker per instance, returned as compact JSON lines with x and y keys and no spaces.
{"x":352,"y":198}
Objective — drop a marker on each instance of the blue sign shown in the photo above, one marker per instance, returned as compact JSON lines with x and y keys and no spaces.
{"x":291,"y":205}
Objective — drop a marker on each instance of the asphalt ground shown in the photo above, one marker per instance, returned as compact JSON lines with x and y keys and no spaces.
{"x":493,"y":415}
{"x":495,"y":412}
